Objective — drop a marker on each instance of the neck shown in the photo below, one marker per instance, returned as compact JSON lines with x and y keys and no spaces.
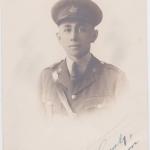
{"x":82,"y":62}
{"x":80,"y":59}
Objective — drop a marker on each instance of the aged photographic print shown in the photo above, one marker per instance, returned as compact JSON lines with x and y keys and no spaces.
{"x":81,"y":82}
{"x":75,"y":75}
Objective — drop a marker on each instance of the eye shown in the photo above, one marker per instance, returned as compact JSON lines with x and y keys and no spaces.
{"x":67,"y":30}
{"x":83,"y":29}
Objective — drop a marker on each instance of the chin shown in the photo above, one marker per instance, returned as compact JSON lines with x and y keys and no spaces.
{"x":75,"y":52}
{"x":78,"y":55}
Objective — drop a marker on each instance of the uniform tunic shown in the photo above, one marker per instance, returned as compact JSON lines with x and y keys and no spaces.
{"x":97,"y":87}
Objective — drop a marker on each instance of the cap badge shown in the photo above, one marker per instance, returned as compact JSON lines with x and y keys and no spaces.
{"x":73,"y":9}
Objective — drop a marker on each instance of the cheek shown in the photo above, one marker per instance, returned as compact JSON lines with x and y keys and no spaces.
{"x":64,"y":38}
{"x":64,"y":43}
{"x":86,"y":38}
{"x":90,"y":39}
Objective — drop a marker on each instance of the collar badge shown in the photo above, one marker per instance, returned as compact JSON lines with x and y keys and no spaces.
{"x":55,"y":76}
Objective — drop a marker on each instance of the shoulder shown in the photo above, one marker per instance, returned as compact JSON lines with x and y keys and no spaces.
{"x":109,"y":72}
{"x":52,"y":67}
{"x":113,"y":76}
{"x":113,"y":73}
{"x":111,"y":68}
{"x":48,"y":71}
{"x":106,"y":67}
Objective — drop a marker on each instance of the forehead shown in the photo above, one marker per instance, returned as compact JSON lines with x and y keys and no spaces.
{"x":75,"y":24}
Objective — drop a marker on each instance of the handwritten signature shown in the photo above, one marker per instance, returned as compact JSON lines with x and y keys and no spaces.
{"x":123,"y":136}
{"x":123,"y":141}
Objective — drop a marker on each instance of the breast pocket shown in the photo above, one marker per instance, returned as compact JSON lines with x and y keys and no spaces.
{"x":95,"y":102}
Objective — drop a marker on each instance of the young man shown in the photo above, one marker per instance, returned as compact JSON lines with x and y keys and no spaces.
{"x":80,"y":83}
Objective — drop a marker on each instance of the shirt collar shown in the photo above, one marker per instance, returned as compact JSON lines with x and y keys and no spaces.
{"x":83,"y":62}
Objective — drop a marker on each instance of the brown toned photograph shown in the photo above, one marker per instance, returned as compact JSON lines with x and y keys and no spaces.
{"x":80,"y":82}
{"x":75,"y":75}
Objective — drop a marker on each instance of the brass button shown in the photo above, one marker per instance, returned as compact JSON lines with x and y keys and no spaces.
{"x":74,"y":96}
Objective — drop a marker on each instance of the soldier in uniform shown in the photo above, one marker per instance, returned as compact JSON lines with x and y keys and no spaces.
{"x":80,"y":83}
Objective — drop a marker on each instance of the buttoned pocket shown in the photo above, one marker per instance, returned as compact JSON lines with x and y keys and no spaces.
{"x":94,"y":102}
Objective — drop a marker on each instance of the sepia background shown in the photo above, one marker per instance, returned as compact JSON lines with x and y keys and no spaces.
{"x":30,"y":44}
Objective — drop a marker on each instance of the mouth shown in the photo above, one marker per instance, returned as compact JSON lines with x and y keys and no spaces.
{"x":74,"y":46}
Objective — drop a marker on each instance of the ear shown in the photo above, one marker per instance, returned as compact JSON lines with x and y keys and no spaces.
{"x":94,"y":36}
{"x":58,"y":36}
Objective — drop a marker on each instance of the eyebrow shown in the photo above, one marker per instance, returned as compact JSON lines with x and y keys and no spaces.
{"x":67,"y":25}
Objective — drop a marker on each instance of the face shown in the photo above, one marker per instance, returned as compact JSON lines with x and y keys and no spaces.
{"x":76,"y":38}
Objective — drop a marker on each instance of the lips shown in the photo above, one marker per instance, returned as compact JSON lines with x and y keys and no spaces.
{"x":74,"y":45}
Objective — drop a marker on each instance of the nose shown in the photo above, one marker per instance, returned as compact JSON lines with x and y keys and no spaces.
{"x":74,"y":35}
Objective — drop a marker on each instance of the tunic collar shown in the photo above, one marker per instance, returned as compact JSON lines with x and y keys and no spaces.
{"x":89,"y":77}
{"x":82,"y":63}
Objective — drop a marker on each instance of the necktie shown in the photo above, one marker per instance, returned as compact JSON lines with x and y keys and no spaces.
{"x":74,"y":76}
{"x":75,"y":73}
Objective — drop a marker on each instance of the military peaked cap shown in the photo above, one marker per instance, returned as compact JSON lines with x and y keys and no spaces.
{"x":81,"y":10}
